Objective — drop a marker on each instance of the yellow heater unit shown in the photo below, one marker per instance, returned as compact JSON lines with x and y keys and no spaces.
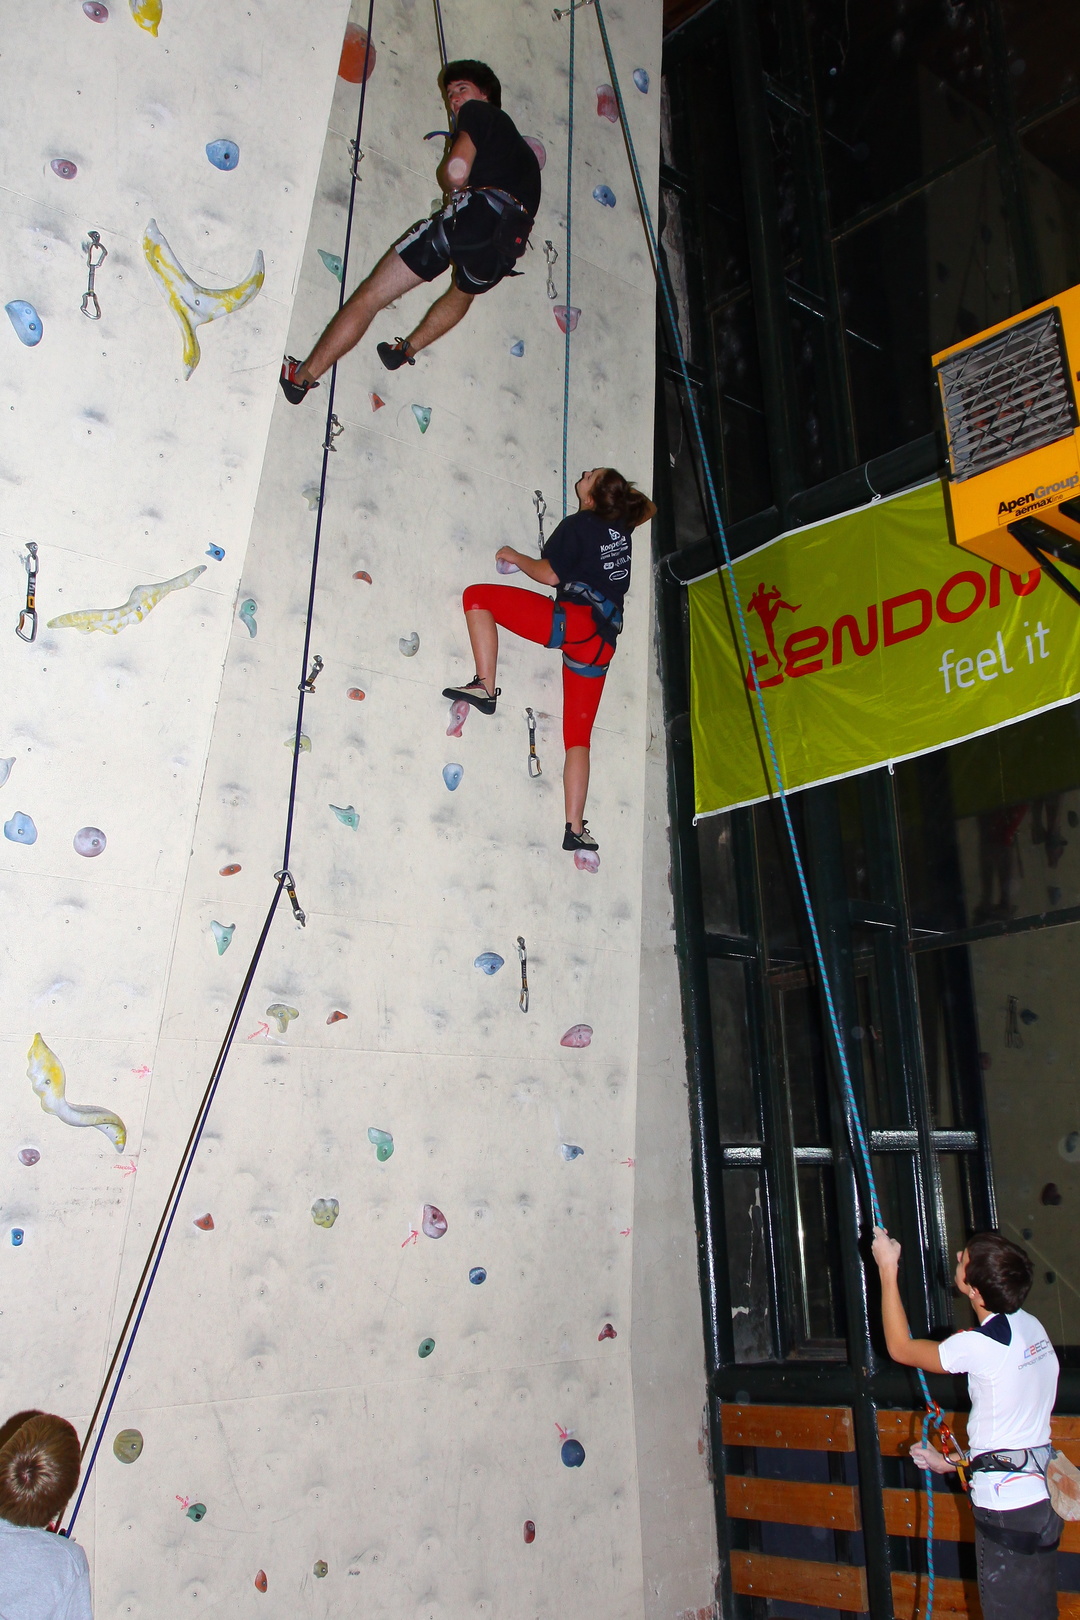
{"x":1009,"y":403}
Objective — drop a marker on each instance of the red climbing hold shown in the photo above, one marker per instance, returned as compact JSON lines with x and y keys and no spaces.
{"x":260,"y":1581}
{"x":363,"y":574}
{"x":606,"y":1332}
{"x":336,"y":1017}
{"x":356,"y":694}
{"x":228,"y":871}
{"x":376,"y":403}
{"x":354,"y":52}
{"x":205,"y":1223}
{"x":528,"y":1530}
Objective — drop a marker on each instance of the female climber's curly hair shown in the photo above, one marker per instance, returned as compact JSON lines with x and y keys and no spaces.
{"x":39,"y":1468}
{"x":477,"y":73}
{"x":616,"y":499}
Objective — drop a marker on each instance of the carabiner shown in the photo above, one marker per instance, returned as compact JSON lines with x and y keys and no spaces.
{"x":90,"y":297}
{"x":534,"y":759}
{"x":29,"y":612}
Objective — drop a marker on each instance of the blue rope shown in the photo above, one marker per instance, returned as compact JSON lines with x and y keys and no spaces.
{"x":569,"y":262}
{"x":929,"y":1503}
{"x":854,"y":1120}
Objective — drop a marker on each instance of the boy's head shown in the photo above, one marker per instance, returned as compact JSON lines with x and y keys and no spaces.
{"x":999,"y":1271}
{"x":475,"y":74}
{"x":39,"y":1468}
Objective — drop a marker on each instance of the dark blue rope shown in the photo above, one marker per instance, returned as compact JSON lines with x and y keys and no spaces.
{"x":854,"y":1119}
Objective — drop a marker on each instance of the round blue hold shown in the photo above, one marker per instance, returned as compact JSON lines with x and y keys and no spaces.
{"x":605,"y":195}
{"x":26,"y":321}
{"x":641,"y":79}
{"x":223,"y":154}
{"x":451,"y":775}
{"x":477,"y":1275}
{"x":488,"y":962}
{"x":20,"y":829}
{"x":573,"y":1453}
{"x":17,"y":1235}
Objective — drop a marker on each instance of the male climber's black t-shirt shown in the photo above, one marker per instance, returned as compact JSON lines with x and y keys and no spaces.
{"x":586,"y":548}
{"x":502,"y":158}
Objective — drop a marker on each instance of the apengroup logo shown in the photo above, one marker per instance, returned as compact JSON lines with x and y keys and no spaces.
{"x":895,"y":619}
{"x":1046,"y":495}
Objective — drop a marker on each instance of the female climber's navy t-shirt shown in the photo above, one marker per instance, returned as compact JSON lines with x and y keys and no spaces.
{"x":586,"y":548}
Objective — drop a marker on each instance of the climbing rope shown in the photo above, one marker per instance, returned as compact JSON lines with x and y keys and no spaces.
{"x":569,"y":261}
{"x":853,"y":1118}
{"x":125,"y":1344}
{"x":439,"y":32}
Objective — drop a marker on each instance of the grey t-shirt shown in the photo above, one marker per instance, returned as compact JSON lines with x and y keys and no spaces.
{"x":42,"y":1576}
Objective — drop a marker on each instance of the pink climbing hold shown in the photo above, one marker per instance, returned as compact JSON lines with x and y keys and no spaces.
{"x":205,"y":1223}
{"x":357,"y":56}
{"x":577,"y":1035}
{"x":260,"y":1581}
{"x":606,"y":105}
{"x":586,"y":860}
{"x":336,"y":1017}
{"x":434,"y":1222}
{"x":528,"y":1531}
{"x":362,"y":573}
{"x":537,"y":148}
{"x":606,"y":1332}
{"x":356,"y":694}
{"x":566,"y":317}
{"x":459,"y":713}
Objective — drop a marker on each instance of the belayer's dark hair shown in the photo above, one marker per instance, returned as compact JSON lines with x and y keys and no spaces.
{"x":39,"y":1468}
{"x":1000,"y":1270}
{"x":477,"y":73}
{"x":617,"y":500}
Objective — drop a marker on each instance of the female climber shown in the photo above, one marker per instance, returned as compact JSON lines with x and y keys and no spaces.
{"x":587,"y":560}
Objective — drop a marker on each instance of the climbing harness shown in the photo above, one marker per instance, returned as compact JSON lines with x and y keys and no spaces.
{"x":853,"y":1120}
{"x":308,"y":684}
{"x":551,"y":259}
{"x":90,"y":298}
{"x":523,"y":994}
{"x":284,"y":883}
{"x":534,"y":758}
{"x":607,"y":623}
{"x":541,"y":513}
{"x":28,"y":616}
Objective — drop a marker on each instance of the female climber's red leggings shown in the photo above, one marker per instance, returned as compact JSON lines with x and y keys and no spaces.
{"x":529,"y":615}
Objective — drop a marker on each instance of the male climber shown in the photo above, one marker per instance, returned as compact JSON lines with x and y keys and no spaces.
{"x":491,"y":187}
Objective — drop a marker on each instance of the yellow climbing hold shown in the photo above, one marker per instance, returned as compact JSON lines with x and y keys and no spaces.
{"x":46,"y":1075}
{"x":147,"y":13}
{"x":191,"y":304}
{"x":112,"y":620}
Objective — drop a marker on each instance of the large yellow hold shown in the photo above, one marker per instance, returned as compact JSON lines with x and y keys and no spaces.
{"x":147,"y":13}
{"x":191,"y":304}
{"x":46,"y":1075}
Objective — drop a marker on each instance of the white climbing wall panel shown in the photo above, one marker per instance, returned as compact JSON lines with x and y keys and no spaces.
{"x":278,"y":1379}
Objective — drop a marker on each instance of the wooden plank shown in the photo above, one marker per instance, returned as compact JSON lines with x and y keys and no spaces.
{"x":899,"y":1431}
{"x":787,"y":1501}
{"x":905,"y":1515}
{"x":958,"y":1597}
{"x":796,"y":1428}
{"x":800,"y":1580}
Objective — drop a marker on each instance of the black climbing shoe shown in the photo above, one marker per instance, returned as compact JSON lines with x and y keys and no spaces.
{"x":294,"y":390}
{"x":475,"y":693}
{"x":395,"y":354}
{"x":582,"y":840}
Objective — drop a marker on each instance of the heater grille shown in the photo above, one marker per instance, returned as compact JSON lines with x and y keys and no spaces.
{"x":1007,"y":395}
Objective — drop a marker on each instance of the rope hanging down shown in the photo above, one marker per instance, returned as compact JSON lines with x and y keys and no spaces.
{"x":853,"y":1118}
{"x":569,"y":262}
{"x":440,"y":35}
{"x":110,"y":1386}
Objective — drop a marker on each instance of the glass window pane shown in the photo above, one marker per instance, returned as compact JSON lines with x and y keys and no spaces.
{"x":731,"y":1048}
{"x":819,"y":1253}
{"x":743,"y":444}
{"x":781,"y":901}
{"x":716,"y":854}
{"x":803,"y":1058}
{"x":748,"y":1268}
{"x":1052,"y":173}
{"x":1044,"y":49}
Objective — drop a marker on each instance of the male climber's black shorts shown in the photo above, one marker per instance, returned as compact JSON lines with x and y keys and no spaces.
{"x":465,"y":235}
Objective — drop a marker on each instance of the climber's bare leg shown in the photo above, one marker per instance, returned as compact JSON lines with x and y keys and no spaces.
{"x":390,"y":278}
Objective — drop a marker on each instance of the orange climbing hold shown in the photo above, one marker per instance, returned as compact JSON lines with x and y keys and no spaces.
{"x":357,"y":57}
{"x":362,"y":573}
{"x":260,"y":1581}
{"x":376,"y":403}
{"x":228,"y":871}
{"x":205,"y":1223}
{"x":356,"y":694}
{"x":336,"y":1017}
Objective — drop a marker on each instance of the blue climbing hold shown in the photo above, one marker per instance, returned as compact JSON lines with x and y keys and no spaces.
{"x":26,"y":321}
{"x":605,"y":195}
{"x":641,"y":79}
{"x":248,"y":610}
{"x":17,"y":1235}
{"x":217,"y":552}
{"x":573,"y":1453}
{"x":333,"y":263}
{"x":570,"y":1151}
{"x":477,"y":1275}
{"x":347,"y":815}
{"x":451,"y":775}
{"x":223,"y":154}
{"x":517,"y":349}
{"x":21,"y":830}
{"x":422,"y":414}
{"x":488,"y":962}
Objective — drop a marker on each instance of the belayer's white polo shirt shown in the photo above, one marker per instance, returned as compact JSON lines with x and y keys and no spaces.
{"x":1012,"y":1379}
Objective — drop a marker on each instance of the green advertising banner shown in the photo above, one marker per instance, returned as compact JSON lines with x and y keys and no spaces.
{"x":875,"y":639}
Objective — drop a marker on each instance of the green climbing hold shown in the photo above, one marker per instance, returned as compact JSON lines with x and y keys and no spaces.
{"x":347,"y":815}
{"x":425,"y":1348}
{"x":333,"y":263}
{"x":423,"y":416}
{"x":127,"y":1447}
{"x":197,"y":1511}
{"x":382,"y":1142}
{"x":321,"y":1569}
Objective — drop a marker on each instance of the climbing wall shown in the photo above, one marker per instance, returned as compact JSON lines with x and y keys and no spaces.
{"x":391,"y":1358}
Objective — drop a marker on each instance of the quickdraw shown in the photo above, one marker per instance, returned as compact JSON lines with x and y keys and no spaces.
{"x":28,"y":616}
{"x":541,"y":513}
{"x":534,"y":758}
{"x":90,"y":306}
{"x":308,"y":685}
{"x":523,"y":996}
{"x":286,"y":879}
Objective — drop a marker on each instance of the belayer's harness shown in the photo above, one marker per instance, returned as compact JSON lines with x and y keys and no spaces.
{"x":607,"y":620}
{"x":1033,"y":1460}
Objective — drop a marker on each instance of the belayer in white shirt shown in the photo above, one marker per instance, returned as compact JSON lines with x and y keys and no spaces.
{"x":1012,"y":1374}
{"x":42,"y":1576}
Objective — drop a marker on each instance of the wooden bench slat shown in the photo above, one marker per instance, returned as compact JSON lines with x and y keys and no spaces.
{"x":795,"y":1428}
{"x":958,"y":1597}
{"x":786,"y":1501}
{"x":899,"y":1431}
{"x":800,"y":1580}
